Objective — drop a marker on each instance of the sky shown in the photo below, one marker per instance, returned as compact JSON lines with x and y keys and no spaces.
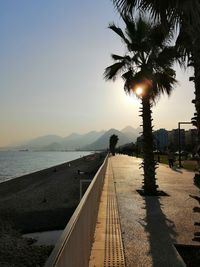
{"x":52,"y":57}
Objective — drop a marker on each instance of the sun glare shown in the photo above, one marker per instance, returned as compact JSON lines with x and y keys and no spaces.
{"x":139,"y":91}
{"x":129,"y":98}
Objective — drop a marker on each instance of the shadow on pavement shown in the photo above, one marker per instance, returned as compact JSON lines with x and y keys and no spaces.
{"x":176,"y":170}
{"x":161,"y":233}
{"x":197,"y":210}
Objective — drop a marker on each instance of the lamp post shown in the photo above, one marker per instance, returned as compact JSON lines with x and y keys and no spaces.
{"x":179,"y":140}
{"x":157,"y":149}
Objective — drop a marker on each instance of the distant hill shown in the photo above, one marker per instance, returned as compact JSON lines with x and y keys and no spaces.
{"x":92,"y":140}
{"x":57,"y":143}
{"x":131,"y":132}
{"x":41,"y":142}
{"x":103,"y":141}
{"x":79,"y":141}
{"x":52,"y":147}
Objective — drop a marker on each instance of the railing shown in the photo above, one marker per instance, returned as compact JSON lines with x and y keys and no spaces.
{"x":74,"y":246}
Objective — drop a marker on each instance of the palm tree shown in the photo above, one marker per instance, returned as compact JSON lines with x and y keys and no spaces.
{"x":147,"y":71}
{"x":174,"y":12}
{"x":113,"y":142}
{"x":182,"y":14}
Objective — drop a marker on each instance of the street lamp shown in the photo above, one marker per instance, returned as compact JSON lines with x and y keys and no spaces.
{"x":179,"y":140}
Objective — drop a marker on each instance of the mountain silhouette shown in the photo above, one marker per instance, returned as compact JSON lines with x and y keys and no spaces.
{"x":93,"y":140}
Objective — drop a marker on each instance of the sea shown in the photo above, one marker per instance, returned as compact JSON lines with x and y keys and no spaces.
{"x":17,"y":163}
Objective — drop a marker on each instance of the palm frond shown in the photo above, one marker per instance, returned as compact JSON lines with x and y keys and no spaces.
{"x":112,"y":71}
{"x":163,"y":82}
{"x":134,"y":80}
{"x":184,"y":46}
{"x":128,"y":79}
{"x":188,"y":11}
{"x":118,"y":31}
{"x":149,"y":60}
{"x":137,"y":32}
{"x":161,"y":36}
{"x":117,"y":57}
{"x":167,"y":57}
{"x":125,"y":6}
{"x":167,"y":11}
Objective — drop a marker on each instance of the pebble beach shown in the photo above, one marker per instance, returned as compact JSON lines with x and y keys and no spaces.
{"x":45,"y":200}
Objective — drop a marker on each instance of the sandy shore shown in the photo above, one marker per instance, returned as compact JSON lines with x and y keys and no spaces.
{"x":46,"y":199}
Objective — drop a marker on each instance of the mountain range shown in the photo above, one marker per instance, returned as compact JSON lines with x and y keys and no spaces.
{"x":94,"y":140}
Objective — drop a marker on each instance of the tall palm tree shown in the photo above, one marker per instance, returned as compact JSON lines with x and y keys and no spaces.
{"x":146,"y":69}
{"x":182,"y":14}
{"x":113,"y":142}
{"x":168,"y":11}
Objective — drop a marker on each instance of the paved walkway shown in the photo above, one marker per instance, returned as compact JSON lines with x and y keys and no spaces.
{"x":107,"y":249}
{"x":150,"y":226}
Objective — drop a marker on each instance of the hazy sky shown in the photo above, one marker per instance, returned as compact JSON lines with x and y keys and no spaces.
{"x":52,"y":57}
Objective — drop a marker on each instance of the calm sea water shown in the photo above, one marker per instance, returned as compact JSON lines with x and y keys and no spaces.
{"x":16,"y":163}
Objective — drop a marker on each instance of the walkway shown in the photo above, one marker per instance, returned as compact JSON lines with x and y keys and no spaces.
{"x":107,"y":250}
{"x":150,"y":226}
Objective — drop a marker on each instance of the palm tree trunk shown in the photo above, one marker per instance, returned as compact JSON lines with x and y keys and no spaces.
{"x":196,"y":56}
{"x":149,"y":164}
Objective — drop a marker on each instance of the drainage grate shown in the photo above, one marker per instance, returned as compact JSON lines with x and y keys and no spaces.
{"x":114,"y":255}
{"x":107,"y":249}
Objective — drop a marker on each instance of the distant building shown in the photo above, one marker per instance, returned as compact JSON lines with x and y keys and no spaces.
{"x":164,"y":140}
{"x":161,"y":139}
{"x":190,"y":139}
{"x":173,"y":139}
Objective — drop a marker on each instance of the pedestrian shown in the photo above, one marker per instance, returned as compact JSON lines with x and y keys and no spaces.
{"x":171,"y":159}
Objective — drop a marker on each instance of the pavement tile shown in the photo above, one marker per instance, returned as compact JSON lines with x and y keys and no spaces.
{"x":152,"y":225}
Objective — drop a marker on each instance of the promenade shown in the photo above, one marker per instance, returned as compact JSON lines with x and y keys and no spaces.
{"x":145,"y":229}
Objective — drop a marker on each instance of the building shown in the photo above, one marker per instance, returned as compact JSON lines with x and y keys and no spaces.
{"x":173,"y":139}
{"x":161,"y":139}
{"x":190,"y":139}
{"x":164,"y":140}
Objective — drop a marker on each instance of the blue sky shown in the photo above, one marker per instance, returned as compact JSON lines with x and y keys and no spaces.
{"x":52,"y":58}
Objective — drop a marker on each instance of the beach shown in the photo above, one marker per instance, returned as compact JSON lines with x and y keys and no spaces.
{"x":45,"y":200}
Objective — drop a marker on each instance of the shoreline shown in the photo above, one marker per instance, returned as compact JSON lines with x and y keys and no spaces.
{"x":28,"y":164}
{"x":47,"y":170}
{"x":46,"y":199}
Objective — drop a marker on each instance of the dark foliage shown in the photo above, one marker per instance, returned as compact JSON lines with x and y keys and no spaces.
{"x":113,"y":142}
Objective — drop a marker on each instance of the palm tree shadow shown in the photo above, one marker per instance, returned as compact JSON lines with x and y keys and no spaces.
{"x":161,"y":234}
{"x":196,"y":210}
{"x":175,"y":169}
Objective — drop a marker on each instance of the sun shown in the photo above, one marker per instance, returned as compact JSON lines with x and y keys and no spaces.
{"x":139,"y":91}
